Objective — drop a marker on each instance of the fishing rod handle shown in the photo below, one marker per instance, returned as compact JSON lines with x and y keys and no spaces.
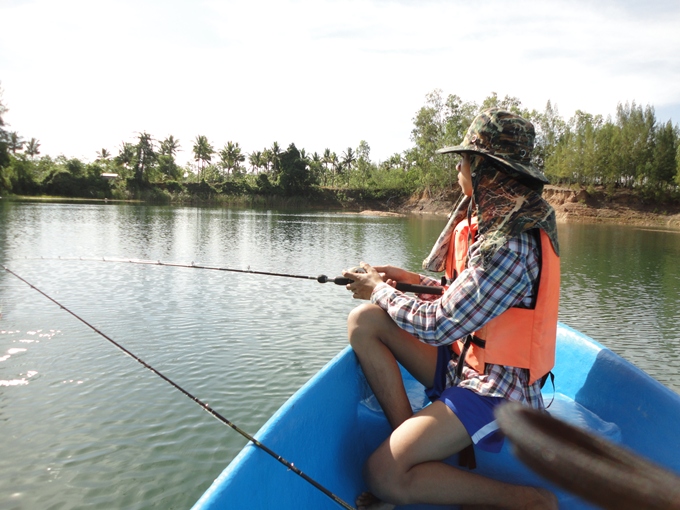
{"x":419,"y":289}
{"x":404,"y":287}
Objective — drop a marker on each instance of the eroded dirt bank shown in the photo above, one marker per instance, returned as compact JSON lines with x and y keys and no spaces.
{"x":570,"y":205}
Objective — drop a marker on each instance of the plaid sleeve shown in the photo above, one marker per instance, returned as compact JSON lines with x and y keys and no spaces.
{"x":478,"y":295}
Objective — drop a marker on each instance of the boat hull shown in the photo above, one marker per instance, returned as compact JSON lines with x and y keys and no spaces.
{"x":331,"y":425}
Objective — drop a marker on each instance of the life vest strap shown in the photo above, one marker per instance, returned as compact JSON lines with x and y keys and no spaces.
{"x":469,"y":340}
{"x":461,"y":357}
{"x":544,"y":379}
{"x":479,"y":342}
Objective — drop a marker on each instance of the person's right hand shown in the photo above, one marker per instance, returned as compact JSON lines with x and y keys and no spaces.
{"x":397,"y":274}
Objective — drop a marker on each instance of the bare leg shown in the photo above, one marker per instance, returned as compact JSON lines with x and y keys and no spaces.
{"x":407,"y":468}
{"x":379,"y":344}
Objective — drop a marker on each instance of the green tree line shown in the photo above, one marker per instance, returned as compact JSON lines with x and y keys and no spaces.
{"x":632,"y":151}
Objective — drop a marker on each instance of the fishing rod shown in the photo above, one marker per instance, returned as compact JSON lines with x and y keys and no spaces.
{"x":202,"y":404}
{"x":339,"y":280}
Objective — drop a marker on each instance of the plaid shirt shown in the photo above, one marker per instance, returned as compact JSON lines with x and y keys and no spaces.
{"x":478,"y":295}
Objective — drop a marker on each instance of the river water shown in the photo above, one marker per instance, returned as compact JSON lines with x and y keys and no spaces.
{"x":85,"y":426}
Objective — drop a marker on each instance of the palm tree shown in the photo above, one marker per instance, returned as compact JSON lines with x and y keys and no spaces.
{"x":335,"y":165}
{"x":276,"y":155}
{"x":15,"y":142}
{"x":126,"y":155}
{"x":166,"y":158}
{"x":267,"y":159}
{"x":169,"y":146}
{"x":316,"y":164}
{"x":4,"y":138}
{"x":256,"y":161}
{"x":146,"y":156}
{"x":3,"y":110}
{"x":33,"y":147}
{"x":103,"y":155}
{"x":304,"y":157}
{"x":231,"y":157}
{"x":203,"y":152}
{"x":326,"y":160}
{"x":348,"y":160}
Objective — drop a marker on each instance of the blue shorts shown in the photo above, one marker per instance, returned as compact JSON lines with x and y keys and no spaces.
{"x":475,"y":411}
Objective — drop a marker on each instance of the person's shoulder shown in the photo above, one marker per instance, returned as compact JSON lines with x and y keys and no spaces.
{"x":524,"y":242}
{"x":522,"y":248}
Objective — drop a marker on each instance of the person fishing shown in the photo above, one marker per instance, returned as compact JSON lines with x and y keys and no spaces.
{"x":489,"y":339}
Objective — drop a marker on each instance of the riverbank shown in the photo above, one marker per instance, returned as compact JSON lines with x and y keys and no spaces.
{"x":571,"y":206}
{"x":621,"y":207}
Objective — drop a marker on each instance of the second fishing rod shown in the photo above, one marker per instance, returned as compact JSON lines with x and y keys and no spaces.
{"x":338,"y":280}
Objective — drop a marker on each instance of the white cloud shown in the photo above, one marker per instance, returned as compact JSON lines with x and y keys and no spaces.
{"x":81,"y":75}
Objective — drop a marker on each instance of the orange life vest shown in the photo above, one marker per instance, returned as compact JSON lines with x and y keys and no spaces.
{"x":519,"y":337}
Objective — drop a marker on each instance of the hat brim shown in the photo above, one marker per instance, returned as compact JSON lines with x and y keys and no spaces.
{"x":526,"y":169}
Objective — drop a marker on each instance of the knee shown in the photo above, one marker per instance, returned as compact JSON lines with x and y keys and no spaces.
{"x":363,"y":322}
{"x":384,"y":479}
{"x":361,"y":313}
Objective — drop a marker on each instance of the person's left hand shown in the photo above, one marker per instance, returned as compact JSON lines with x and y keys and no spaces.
{"x":364,"y":283}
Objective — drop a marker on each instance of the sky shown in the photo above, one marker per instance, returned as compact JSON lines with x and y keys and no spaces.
{"x":82,"y":75}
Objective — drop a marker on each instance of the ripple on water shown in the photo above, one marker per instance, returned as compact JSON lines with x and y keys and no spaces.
{"x":96,"y":429}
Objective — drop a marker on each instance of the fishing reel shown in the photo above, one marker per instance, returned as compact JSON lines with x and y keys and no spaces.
{"x":340,"y":280}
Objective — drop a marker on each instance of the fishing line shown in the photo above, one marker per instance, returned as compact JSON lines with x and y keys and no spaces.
{"x":204,"y":405}
{"x":339,"y":280}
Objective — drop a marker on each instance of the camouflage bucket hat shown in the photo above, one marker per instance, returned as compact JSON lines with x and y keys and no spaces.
{"x":503,"y":137}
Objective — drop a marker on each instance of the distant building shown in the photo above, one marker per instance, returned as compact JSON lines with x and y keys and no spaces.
{"x":109,"y":177}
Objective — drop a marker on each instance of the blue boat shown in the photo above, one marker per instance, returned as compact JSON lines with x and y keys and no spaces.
{"x":594,"y":390}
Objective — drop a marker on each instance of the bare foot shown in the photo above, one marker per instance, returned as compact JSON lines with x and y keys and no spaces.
{"x":367,"y":501}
